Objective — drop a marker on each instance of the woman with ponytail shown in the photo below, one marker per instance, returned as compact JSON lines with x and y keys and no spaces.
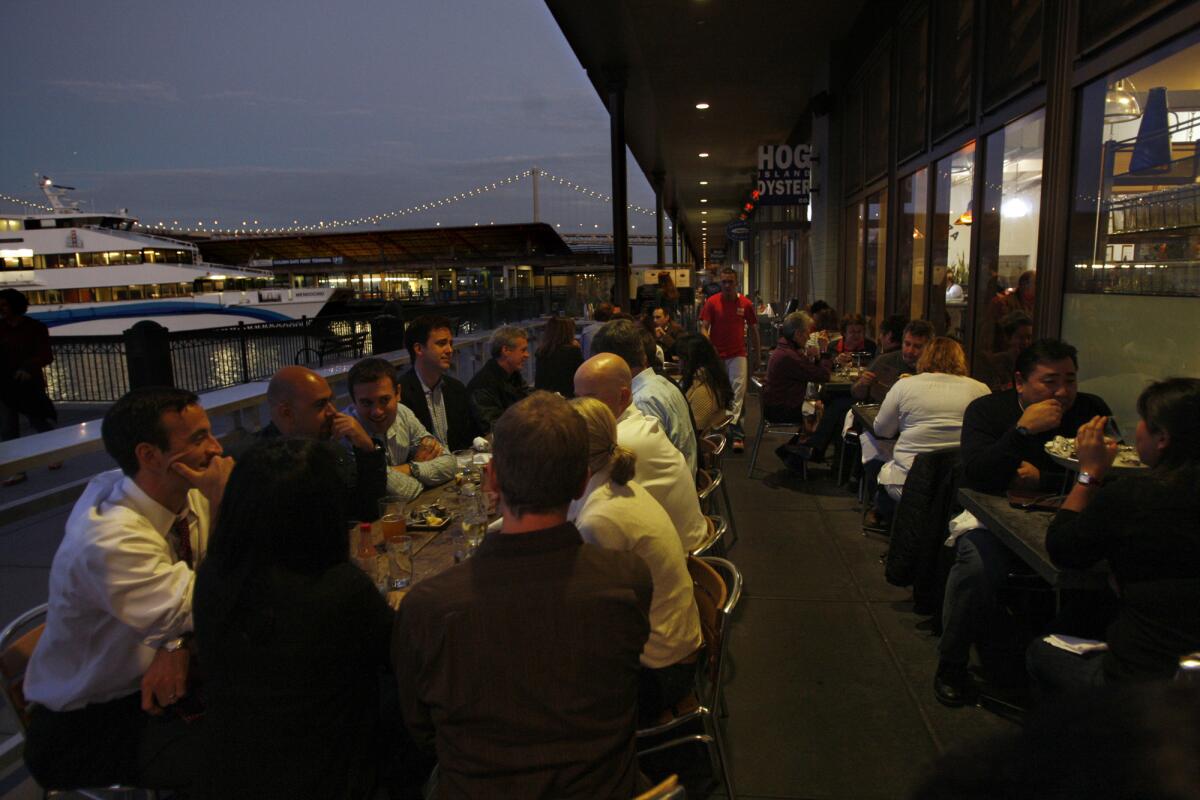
{"x":616,"y":513}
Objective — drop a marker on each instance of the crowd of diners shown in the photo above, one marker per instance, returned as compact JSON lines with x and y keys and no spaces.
{"x":207,"y":631}
{"x":1146,"y":526}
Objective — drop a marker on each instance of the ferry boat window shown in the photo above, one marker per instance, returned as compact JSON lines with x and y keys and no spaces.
{"x":133,"y":257}
{"x":10,"y":225}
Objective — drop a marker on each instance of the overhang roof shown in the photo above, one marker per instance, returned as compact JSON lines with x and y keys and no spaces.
{"x":753,"y":61}
{"x":478,"y":244}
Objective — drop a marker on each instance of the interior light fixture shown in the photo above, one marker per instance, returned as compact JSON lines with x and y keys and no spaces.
{"x":703,"y":212}
{"x":1016,"y":208}
{"x":701,"y":106}
{"x":704,"y":183}
{"x":703,"y":199}
{"x":703,"y":155}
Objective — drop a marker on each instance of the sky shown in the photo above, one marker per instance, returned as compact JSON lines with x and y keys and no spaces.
{"x":288,"y":111}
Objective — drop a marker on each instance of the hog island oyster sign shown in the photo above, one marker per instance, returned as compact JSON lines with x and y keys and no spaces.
{"x":784,"y":174}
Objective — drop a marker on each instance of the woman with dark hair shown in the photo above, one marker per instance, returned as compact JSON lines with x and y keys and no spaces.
{"x":667,"y":295}
{"x":854,"y":340}
{"x":292,"y":638}
{"x":557,"y":357}
{"x":705,"y":382}
{"x":826,"y":331}
{"x":1148,"y":529}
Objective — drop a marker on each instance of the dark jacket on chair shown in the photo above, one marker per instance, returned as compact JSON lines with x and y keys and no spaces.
{"x":920,"y":526}
{"x":461,"y":426}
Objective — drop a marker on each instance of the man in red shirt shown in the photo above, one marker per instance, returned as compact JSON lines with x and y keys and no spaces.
{"x":725,"y":319}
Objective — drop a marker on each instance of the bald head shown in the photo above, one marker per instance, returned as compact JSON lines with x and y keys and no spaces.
{"x":301,"y":403}
{"x":607,"y":378}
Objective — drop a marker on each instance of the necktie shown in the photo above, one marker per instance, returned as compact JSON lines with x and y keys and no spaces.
{"x":182,"y":532}
{"x":437,"y":413}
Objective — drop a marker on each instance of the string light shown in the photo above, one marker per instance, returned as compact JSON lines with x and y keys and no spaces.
{"x":369,"y":219}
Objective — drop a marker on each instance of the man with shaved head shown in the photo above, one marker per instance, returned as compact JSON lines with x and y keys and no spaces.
{"x":661,"y":469}
{"x":301,"y":406}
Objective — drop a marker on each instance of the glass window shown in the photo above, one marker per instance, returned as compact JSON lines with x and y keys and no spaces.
{"x":1100,"y":20}
{"x":949,"y":290}
{"x":876,"y":115}
{"x":854,"y":252}
{"x":852,"y":139}
{"x":911,"y":238}
{"x":1008,"y":246}
{"x":954,"y":49}
{"x":874,"y":260}
{"x":1013,"y":57}
{"x":1133,"y":279}
{"x":912,"y":85}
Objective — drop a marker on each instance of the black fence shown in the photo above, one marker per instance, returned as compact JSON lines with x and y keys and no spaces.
{"x":99,"y":368}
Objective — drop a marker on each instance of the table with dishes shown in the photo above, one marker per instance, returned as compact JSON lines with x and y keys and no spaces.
{"x":414,"y":540}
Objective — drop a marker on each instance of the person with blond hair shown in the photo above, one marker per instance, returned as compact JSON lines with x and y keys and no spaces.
{"x":926,"y":410}
{"x":618,"y":514}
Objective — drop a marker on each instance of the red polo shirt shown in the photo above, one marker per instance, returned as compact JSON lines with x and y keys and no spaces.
{"x":728,"y":320}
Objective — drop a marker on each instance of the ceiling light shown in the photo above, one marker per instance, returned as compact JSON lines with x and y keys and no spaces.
{"x":701,"y":106}
{"x":703,"y":155}
{"x":703,"y":199}
{"x":704,"y":183}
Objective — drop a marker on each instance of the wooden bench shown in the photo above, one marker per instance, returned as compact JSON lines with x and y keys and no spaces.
{"x":351,"y":344}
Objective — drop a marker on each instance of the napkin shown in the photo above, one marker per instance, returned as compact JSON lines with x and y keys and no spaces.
{"x":1074,"y":644}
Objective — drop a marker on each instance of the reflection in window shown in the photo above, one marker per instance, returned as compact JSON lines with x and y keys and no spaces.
{"x":854,"y":249}
{"x":1134,"y":270}
{"x":1008,"y":231}
{"x":953,"y":216}
{"x":875,"y":256}
{"x":910,"y":242}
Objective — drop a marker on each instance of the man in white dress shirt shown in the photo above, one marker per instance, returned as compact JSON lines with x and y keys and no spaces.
{"x":654,"y":395}
{"x":112,"y":663}
{"x":661,"y":470}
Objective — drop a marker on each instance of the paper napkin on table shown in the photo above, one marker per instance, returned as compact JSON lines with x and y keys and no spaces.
{"x":1074,"y":644}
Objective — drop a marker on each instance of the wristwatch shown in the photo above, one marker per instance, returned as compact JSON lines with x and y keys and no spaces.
{"x":413,"y":470}
{"x":1021,"y":429}
{"x":1087,"y":479}
{"x":178,"y":643}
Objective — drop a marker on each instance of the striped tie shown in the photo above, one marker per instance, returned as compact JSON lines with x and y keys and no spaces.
{"x":182,"y":533}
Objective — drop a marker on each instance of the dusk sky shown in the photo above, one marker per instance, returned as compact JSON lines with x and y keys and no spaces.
{"x":309,"y":111}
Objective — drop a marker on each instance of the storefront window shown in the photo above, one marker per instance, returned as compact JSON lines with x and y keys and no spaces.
{"x":1013,"y":48}
{"x":912,"y":85}
{"x":855,"y":226}
{"x":1134,"y":270}
{"x":1008,"y":243}
{"x":910,"y":245}
{"x":874,"y":259}
{"x":953,"y":215}
{"x":954,"y":50}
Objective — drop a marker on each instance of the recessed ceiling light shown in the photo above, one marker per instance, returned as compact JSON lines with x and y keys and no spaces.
{"x":703,"y":212}
{"x":701,"y":106}
{"x":703,"y":199}
{"x":704,"y":183}
{"x":703,"y":155}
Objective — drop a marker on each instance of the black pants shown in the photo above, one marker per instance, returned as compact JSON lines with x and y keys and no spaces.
{"x":113,"y":742}
{"x":659,"y":689}
{"x":10,"y":422}
{"x":832,"y":419}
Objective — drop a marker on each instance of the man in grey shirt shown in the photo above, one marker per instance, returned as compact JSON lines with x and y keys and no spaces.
{"x":886,"y":369}
{"x":416,"y":459}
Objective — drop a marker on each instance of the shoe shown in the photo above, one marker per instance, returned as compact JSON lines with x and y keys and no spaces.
{"x":739,"y":446}
{"x":15,"y":478}
{"x":950,"y":684}
{"x":875,"y":522}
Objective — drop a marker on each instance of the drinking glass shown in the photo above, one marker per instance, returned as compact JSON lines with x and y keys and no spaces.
{"x":394,"y":528}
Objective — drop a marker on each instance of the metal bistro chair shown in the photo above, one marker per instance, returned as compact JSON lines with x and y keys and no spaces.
{"x":718,"y":587}
{"x":712,"y":540}
{"x":17,"y":643}
{"x":712,"y":454}
{"x":766,"y":428}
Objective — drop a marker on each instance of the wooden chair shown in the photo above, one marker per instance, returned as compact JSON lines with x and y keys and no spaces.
{"x":17,"y":643}
{"x":718,"y":587}
{"x":667,"y":790}
{"x":766,"y":428}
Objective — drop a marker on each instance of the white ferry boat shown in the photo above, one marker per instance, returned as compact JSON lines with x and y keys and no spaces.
{"x":89,"y":273}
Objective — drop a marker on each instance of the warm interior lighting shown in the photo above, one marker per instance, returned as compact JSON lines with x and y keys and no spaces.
{"x":966,"y":218}
{"x":704,"y":183}
{"x":703,"y":199}
{"x":702,"y":106}
{"x":703,"y":155}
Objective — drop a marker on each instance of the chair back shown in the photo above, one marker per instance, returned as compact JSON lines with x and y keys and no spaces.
{"x":667,"y":790}
{"x":718,"y":587}
{"x":17,"y":642}
{"x":706,"y":484}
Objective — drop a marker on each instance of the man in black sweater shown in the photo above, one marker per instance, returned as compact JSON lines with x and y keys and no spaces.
{"x":438,"y":400}
{"x":1003,"y":447}
{"x":499,"y":383}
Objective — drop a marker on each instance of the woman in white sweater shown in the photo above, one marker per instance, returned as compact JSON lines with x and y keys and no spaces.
{"x":926,"y":410}
{"x":619,"y":514}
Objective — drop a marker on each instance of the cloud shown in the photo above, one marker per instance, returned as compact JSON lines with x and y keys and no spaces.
{"x":252,"y":98}
{"x":120,"y":91}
